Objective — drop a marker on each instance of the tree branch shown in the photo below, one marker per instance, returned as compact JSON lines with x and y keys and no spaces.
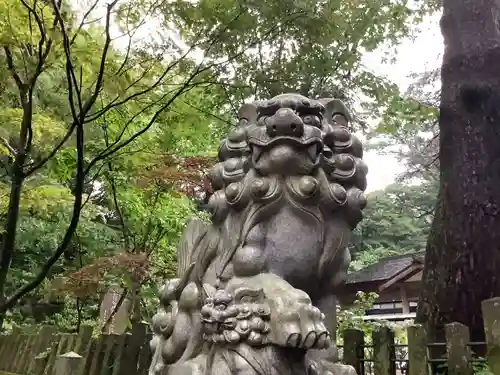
{"x":124,"y":228}
{"x":117,"y":102}
{"x":34,"y":167}
{"x":77,"y":206}
{"x":7,"y":145}
{"x":115,"y":146}
{"x":82,"y":23}
{"x":10,"y":66}
{"x":42,"y":53}
{"x":78,"y":116}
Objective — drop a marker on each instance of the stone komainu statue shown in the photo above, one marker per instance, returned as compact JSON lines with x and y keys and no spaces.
{"x":255,"y":292}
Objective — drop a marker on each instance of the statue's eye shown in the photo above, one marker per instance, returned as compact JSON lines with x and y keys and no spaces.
{"x":312,"y":120}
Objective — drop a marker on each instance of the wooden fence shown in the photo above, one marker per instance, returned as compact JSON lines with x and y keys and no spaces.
{"x":460,"y":356}
{"x":49,"y":353}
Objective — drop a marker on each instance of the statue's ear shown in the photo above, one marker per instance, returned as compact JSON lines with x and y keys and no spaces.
{"x":247,"y":112}
{"x":336,"y":111}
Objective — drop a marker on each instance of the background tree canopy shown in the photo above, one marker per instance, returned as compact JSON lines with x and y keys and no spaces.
{"x":106,"y":136}
{"x":396,"y":221}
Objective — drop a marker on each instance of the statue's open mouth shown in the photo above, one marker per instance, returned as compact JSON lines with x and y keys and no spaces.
{"x":311,"y":146}
{"x":309,"y":142}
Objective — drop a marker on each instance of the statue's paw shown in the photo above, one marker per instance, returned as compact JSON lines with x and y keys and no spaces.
{"x":293,"y":320}
{"x":301,"y":327}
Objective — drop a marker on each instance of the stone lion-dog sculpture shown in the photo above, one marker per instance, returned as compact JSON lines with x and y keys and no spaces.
{"x":255,"y":289}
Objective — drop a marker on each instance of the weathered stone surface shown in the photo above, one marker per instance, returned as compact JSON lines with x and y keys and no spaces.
{"x":491,"y":316}
{"x":255,"y":289}
{"x":354,"y":341}
{"x":417,"y":350}
{"x":383,"y":351}
{"x":68,"y":364}
{"x":457,"y":347}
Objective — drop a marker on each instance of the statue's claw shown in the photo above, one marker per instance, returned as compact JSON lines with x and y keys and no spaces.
{"x":294,"y":340}
{"x":300,"y":328}
{"x":323,"y":341}
{"x":310,"y":340}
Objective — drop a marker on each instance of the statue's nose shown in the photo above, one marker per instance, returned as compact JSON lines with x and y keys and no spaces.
{"x":285,"y":122}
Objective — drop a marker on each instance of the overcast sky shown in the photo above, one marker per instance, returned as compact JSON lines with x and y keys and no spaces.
{"x":413,"y":56}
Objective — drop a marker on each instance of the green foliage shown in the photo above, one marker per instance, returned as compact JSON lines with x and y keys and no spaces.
{"x":46,"y":130}
{"x":396,"y":221}
{"x":477,"y":368}
{"x":481,"y":369}
{"x":126,"y":122}
{"x":15,"y":22}
{"x":314,"y":49}
{"x":406,"y":115}
{"x":410,"y":122}
{"x":353,"y":316}
{"x":45,"y":212}
{"x":156,"y":107}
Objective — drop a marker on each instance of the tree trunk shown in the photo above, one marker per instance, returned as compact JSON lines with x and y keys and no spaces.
{"x":462,"y":265}
{"x":10,"y":228}
{"x":7,"y":247}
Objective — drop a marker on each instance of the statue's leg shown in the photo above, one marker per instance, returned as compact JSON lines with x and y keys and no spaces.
{"x":326,"y":361}
{"x":328,"y":306}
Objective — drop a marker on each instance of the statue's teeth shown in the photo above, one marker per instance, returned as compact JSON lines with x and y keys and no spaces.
{"x":313,"y":152}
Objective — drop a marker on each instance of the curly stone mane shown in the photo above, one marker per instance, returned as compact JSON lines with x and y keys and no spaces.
{"x":245,"y":184}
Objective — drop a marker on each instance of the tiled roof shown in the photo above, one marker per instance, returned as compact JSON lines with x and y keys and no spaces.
{"x":385,"y":268}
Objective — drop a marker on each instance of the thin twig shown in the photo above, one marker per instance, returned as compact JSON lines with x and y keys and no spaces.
{"x":7,"y":145}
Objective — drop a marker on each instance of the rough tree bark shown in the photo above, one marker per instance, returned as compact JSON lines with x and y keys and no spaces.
{"x":462,"y":265}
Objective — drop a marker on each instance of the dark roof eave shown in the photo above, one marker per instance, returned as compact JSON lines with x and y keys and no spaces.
{"x":363,"y":275}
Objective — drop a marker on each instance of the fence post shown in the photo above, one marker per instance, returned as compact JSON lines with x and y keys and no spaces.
{"x":383,"y":351}
{"x":4,"y":345}
{"x":16,"y":331}
{"x":491,"y":314}
{"x":457,"y":347}
{"x":121,"y":342}
{"x":417,"y":350}
{"x":15,"y":340}
{"x":3,"y":351}
{"x":64,"y":342}
{"x":354,"y":351}
{"x":146,"y":356}
{"x":20,"y":354}
{"x":67,"y":364}
{"x":131,"y":353}
{"x":109,"y":345}
{"x":40,"y":347}
{"x":52,"y":354}
{"x":39,"y":364}
{"x":98,"y":355}
{"x":89,"y":356}
{"x":83,"y":342}
{"x":28,"y":351}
